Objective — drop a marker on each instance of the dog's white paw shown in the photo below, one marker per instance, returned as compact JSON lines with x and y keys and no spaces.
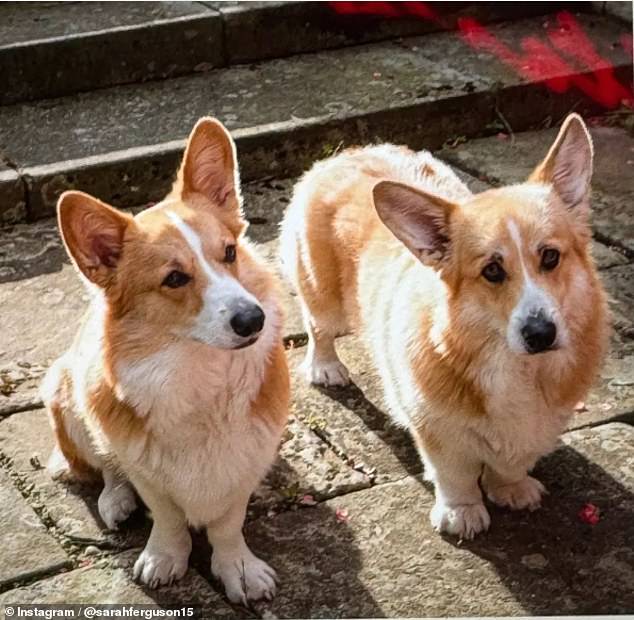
{"x":328,"y":374}
{"x":157,"y":568}
{"x":527,"y":493}
{"x":463,"y":520}
{"x":116,"y":504}
{"x":244,"y":576}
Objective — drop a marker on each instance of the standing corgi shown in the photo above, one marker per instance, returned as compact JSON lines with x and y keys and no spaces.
{"x":177,"y":384}
{"x":484,"y":313}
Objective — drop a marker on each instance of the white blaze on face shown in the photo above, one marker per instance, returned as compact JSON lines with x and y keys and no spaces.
{"x":223,"y":296}
{"x":533,"y":299}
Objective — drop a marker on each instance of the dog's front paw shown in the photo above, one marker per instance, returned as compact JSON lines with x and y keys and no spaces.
{"x":527,"y":493}
{"x":156,"y":568}
{"x":463,"y":520}
{"x":244,"y":576}
{"x":116,"y":504}
{"x":328,"y":374}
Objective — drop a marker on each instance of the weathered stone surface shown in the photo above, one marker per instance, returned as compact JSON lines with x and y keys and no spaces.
{"x":619,"y":284}
{"x":109,"y":581}
{"x":258,"y":30}
{"x":12,"y":196}
{"x":618,"y":8}
{"x":27,"y":440}
{"x":305,"y":466}
{"x":285,"y":113}
{"x":385,"y":560}
{"x":40,"y":315}
{"x":56,"y":49}
{"x":508,"y":161}
{"x":19,"y":386}
{"x":26,"y":549}
{"x":353,"y":419}
{"x":613,"y":395}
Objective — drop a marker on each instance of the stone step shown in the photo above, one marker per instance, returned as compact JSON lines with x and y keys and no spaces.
{"x":59,"y":48}
{"x":123,"y":143}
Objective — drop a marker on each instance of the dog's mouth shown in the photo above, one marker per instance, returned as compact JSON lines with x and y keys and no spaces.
{"x":246,"y":344}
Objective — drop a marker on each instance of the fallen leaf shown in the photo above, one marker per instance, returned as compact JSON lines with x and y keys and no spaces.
{"x":308,"y":500}
{"x":589,"y":514}
{"x":342,"y":515}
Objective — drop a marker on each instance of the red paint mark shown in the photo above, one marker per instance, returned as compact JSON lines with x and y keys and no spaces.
{"x":565,"y":50}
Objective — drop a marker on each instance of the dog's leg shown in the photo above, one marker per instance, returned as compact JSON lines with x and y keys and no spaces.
{"x":514,"y":488}
{"x":459,"y":508}
{"x":166,"y":553}
{"x":117,"y":500}
{"x":322,"y":364}
{"x":245,"y":577}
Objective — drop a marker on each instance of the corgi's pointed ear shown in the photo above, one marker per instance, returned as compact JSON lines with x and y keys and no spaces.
{"x":568,"y":165}
{"x":93,"y":234}
{"x":209,"y":165}
{"x":418,"y":219}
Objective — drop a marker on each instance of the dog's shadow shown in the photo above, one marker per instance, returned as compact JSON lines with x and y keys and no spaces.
{"x":551,"y":561}
{"x":277,"y":531}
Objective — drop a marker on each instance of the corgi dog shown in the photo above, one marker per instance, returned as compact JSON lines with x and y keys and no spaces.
{"x":176,"y":385}
{"x":484,"y":313}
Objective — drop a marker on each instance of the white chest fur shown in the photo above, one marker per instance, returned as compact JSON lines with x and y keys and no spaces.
{"x":202,"y":444}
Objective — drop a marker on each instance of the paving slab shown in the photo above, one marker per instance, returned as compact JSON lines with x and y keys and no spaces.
{"x":374,"y":554}
{"x":285,"y":113}
{"x":27,"y":550}
{"x":619,"y":8}
{"x":26,"y":439}
{"x":353,"y":420}
{"x":619,"y":284}
{"x":109,"y":581}
{"x":510,"y":161}
{"x":305,"y":466}
{"x":19,"y":386}
{"x":52,"y":49}
{"x":612,"y":397}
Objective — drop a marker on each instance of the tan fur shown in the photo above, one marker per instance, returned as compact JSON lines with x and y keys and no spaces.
{"x":442,"y":336}
{"x":158,"y":389}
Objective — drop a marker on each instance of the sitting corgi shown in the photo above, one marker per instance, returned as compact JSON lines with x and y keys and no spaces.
{"x":176,"y":385}
{"x":484,"y":313}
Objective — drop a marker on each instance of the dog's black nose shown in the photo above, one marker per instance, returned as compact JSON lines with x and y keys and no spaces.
{"x":539,"y":333}
{"x":248,"y":321}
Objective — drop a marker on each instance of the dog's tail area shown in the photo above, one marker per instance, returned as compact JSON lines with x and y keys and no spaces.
{"x":291,"y":233}
{"x":69,"y":458}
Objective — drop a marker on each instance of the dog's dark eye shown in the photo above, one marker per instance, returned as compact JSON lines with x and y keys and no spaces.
{"x":494,"y":272}
{"x":176,"y":279}
{"x":230,"y":254}
{"x":550,"y":259}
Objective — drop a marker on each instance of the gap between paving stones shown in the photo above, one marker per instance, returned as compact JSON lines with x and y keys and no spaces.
{"x":22,"y":486}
